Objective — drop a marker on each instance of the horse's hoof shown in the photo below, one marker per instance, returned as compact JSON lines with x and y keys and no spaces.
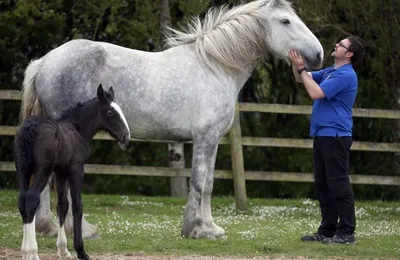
{"x":89,"y":231}
{"x":93,"y":236}
{"x":47,"y":228}
{"x":30,"y":255}
{"x":206,"y":232}
{"x":64,"y":255}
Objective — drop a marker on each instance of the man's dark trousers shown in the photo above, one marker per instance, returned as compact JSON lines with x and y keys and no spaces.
{"x":332,"y":184}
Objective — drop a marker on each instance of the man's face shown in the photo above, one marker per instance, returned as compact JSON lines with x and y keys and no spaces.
{"x":341,"y":49}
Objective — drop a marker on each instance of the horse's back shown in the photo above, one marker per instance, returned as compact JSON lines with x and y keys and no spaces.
{"x":71,"y":73}
{"x":74,"y":63}
{"x":164,"y":95}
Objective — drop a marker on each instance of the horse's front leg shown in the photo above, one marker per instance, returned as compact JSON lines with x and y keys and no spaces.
{"x":198,"y":221}
{"x":75,"y":182}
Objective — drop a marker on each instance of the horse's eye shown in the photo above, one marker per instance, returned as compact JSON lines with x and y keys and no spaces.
{"x":285,"y":21}
{"x":110,"y":113}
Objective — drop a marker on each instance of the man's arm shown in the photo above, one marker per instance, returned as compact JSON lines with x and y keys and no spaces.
{"x":313,"y":89}
{"x":297,"y":75}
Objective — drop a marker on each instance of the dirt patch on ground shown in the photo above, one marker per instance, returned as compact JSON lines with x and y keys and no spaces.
{"x":11,"y":254}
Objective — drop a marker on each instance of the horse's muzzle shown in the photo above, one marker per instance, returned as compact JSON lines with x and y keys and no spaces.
{"x":123,"y":142}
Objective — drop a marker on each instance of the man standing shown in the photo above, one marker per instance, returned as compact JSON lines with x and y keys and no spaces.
{"x":334,"y":91}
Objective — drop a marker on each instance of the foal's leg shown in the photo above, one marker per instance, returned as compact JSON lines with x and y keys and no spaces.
{"x":89,"y":231}
{"x":29,"y":246}
{"x":45,"y":224}
{"x":62,"y":208}
{"x":23,"y":173}
{"x":198,"y":221}
{"x":75,"y":181}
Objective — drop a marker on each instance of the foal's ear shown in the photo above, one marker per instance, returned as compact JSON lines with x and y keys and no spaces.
{"x":111,"y":91}
{"x":100,"y":91}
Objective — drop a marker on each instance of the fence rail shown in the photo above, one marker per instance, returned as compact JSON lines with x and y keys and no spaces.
{"x":306,"y":110}
{"x":252,"y":141}
{"x":265,"y":108}
{"x":236,"y":141}
{"x":102,"y":169}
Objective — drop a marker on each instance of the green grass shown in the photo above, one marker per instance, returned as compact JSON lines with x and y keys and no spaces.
{"x":270,"y":227}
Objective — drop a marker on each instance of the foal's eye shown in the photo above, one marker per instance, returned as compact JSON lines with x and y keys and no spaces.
{"x":285,"y":21}
{"x":110,"y":113}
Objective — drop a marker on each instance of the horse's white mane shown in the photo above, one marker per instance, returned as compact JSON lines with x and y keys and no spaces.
{"x":234,"y":38}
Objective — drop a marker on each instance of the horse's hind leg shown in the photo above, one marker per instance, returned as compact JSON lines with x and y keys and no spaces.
{"x":46,"y":226}
{"x":44,"y":218}
{"x":198,"y":221}
{"x":62,"y":208}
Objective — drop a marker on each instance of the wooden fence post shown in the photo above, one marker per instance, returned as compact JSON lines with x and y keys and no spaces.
{"x":238,"y":175}
{"x":179,"y":185}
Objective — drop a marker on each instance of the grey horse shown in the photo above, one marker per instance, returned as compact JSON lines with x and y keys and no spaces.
{"x":186,"y":92}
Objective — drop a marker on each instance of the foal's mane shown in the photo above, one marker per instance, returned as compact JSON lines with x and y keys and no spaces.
{"x":234,"y":38}
{"x":73,"y":114}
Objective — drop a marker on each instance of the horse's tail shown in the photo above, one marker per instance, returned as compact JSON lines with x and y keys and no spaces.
{"x":30,"y":104}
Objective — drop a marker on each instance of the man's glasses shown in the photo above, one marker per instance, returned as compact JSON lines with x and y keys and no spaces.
{"x":342,"y":45}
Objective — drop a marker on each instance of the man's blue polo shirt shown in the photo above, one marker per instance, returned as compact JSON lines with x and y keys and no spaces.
{"x":332,"y":115}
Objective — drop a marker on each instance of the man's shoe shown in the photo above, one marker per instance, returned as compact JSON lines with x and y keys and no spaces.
{"x":313,"y":238}
{"x":340,"y":240}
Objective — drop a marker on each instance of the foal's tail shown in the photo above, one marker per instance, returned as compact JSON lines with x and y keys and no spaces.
{"x":30,"y":104}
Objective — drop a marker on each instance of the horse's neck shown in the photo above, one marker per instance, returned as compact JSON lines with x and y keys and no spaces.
{"x":244,"y":75}
{"x":88,"y":130}
{"x":84,"y":123}
{"x":236,"y":79}
{"x":231,"y":78}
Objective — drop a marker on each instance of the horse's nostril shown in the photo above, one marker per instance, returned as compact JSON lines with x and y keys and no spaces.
{"x":125,"y":138}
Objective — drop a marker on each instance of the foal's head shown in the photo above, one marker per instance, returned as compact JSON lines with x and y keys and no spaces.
{"x":110,"y":117}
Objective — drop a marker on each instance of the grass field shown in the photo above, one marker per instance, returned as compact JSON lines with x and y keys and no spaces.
{"x":151,"y":225}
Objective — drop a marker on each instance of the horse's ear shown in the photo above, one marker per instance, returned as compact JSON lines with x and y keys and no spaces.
{"x":274,"y":3}
{"x":111,"y":91}
{"x":100,"y":93}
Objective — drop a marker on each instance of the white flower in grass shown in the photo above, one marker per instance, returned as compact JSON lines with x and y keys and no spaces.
{"x":361,"y":213}
{"x":309,"y":202}
{"x":248,"y":234}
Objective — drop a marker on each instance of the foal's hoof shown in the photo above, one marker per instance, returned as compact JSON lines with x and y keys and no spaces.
{"x":84,"y":257}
